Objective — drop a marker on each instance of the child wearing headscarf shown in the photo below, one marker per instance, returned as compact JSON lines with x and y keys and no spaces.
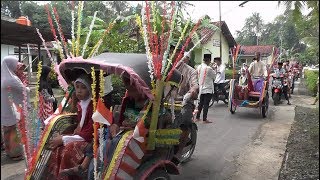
{"x":11,"y":85}
{"x":68,"y":150}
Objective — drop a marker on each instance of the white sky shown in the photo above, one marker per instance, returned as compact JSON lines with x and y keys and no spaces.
{"x":231,"y":13}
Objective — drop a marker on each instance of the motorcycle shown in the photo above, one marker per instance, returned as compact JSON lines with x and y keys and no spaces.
{"x":296,"y":73}
{"x":278,"y":83}
{"x":221,"y":96}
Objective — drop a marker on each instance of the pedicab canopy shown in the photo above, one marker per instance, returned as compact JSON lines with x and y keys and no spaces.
{"x":135,"y":65}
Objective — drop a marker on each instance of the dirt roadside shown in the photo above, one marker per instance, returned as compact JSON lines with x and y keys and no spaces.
{"x":263,"y":158}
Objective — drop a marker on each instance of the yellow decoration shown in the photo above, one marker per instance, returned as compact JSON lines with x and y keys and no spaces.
{"x":37,"y":84}
{"x":116,"y":154}
{"x":155,"y":114}
{"x":45,"y":136}
{"x":101,"y":84}
{"x":93,"y":88}
{"x":167,"y":141}
{"x":101,"y":39}
{"x":166,"y":132}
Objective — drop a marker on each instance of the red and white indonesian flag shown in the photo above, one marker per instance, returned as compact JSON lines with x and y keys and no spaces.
{"x":102,"y":114}
{"x":140,"y":131}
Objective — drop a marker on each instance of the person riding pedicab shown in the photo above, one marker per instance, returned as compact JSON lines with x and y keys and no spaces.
{"x":281,"y":72}
{"x":258,"y":68}
{"x":189,"y":85}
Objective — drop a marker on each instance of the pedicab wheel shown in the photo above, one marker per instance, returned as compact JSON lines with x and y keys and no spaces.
{"x":265,"y":106}
{"x":159,"y":174}
{"x":232,"y":108}
{"x":276,"y":99}
{"x":211,"y":102}
{"x":191,"y":145}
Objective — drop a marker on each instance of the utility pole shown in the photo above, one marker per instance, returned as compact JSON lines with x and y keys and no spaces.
{"x":220,"y":25}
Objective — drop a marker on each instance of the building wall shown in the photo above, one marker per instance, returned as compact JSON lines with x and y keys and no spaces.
{"x":6,"y":50}
{"x":213,"y":47}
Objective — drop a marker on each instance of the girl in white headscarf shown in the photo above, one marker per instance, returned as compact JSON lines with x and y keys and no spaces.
{"x":11,"y":84}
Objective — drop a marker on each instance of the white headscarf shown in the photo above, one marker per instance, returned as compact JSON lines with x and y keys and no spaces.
{"x":10,"y":79}
{"x":84,"y":103}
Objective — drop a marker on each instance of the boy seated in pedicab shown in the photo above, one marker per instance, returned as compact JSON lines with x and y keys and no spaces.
{"x":67,"y":150}
{"x":242,"y":88}
{"x":134,"y":104}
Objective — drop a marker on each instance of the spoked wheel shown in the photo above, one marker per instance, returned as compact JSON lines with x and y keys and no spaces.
{"x":211,"y":102}
{"x":265,"y":106}
{"x":232,"y":108}
{"x":276,"y":98}
{"x":191,"y":145}
{"x":159,"y":174}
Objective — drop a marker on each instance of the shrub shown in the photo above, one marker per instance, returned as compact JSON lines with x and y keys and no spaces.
{"x":229,"y":74}
{"x":311,"y":77}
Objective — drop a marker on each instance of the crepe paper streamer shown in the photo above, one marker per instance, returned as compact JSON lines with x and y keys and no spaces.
{"x":37,"y":85}
{"x":116,"y":155}
{"x":63,"y":41}
{"x":101,"y":80}
{"x":146,"y":44}
{"x":175,"y":49}
{"x":89,"y":33}
{"x":183,"y":47}
{"x":45,"y":46}
{"x":54,"y":31}
{"x":97,"y":46}
{"x":95,"y":125}
{"x":72,"y":31}
{"x":37,"y":135}
{"x":168,"y":142}
{"x":165,"y":132}
{"x":80,"y":8}
{"x":174,"y":13}
{"x":155,"y":112}
{"x":101,"y":130}
{"x":63,"y":84}
{"x":21,"y":123}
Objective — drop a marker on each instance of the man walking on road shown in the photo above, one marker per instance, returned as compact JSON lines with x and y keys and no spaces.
{"x":205,"y":78}
{"x":220,"y":78}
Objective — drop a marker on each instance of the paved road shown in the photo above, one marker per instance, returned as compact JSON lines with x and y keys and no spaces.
{"x":219,"y":143}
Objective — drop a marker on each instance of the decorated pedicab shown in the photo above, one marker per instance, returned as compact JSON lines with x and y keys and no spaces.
{"x":156,"y":161}
{"x":146,"y":151}
{"x":257,"y":90}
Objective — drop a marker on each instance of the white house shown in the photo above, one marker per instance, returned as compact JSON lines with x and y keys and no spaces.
{"x":211,"y":44}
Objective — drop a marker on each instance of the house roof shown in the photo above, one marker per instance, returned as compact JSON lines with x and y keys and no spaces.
{"x":226,"y":33}
{"x":16,"y":34}
{"x":263,"y":49}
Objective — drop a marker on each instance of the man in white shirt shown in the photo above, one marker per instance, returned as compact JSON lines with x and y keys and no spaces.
{"x":220,"y":77}
{"x":205,"y":78}
{"x":258,"y":68}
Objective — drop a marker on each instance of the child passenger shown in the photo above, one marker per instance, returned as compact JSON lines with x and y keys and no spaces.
{"x":134,"y":103}
{"x":67,"y":150}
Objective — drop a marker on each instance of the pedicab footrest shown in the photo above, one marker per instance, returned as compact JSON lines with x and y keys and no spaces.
{"x":167,"y":137}
{"x":254,"y":94}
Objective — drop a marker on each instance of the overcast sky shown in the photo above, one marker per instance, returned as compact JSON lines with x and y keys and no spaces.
{"x":231,"y":13}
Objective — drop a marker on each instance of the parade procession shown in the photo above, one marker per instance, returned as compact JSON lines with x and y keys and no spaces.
{"x":158,"y":90}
